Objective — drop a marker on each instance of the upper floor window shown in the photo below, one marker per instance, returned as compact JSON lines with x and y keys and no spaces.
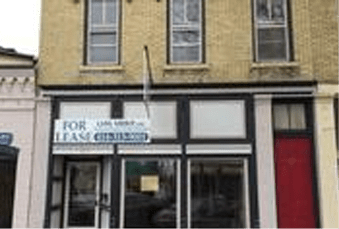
{"x":271,"y":30}
{"x":185,"y":31}
{"x":103,"y":31}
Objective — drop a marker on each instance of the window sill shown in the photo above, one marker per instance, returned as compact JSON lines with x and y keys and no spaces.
{"x":101,"y":68}
{"x":274,"y":65}
{"x":188,"y":67}
{"x":275,"y":71}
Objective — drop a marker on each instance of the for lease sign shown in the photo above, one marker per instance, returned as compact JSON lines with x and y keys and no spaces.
{"x":101,"y":131}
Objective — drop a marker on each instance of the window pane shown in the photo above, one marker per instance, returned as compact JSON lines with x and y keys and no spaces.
{"x":272,"y":45}
{"x":280,"y":114}
{"x":271,"y":35}
{"x":150,"y":193}
{"x":111,"y":12}
{"x":162,"y":117}
{"x":178,"y":12}
{"x":103,"y":54}
{"x":96,"y":11}
{"x":186,"y":54}
{"x":193,"y":11}
{"x":278,"y":10}
{"x":84,"y":110}
{"x":218,"y":194}
{"x":262,"y":10}
{"x":103,"y":38}
{"x":297,"y":116}
{"x":185,"y":37}
{"x":217,"y":119}
{"x":82,"y":195}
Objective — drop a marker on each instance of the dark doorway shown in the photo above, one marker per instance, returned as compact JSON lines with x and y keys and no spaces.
{"x":8,"y":161}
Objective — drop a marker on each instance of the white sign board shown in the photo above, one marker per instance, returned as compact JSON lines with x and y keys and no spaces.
{"x":101,"y":131}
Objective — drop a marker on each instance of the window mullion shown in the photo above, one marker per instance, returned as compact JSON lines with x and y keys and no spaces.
{"x":269,"y":7}
{"x":185,"y":12}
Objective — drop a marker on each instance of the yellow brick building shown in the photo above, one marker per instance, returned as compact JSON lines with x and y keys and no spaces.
{"x":227,"y":87}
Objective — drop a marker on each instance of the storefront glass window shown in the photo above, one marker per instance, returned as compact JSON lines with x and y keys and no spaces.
{"x":150,"y":193}
{"x":218,"y":195}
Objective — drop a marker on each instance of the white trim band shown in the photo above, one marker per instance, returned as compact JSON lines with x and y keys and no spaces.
{"x":149,"y":149}
{"x":219,"y":149}
{"x":181,"y":91}
{"x":83,"y":149}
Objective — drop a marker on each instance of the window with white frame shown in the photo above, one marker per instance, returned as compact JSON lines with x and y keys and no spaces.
{"x":186,"y":31}
{"x":271,"y":30}
{"x":103,"y":31}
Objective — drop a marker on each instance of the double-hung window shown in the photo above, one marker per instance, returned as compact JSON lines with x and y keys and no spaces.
{"x":103,"y":32}
{"x":271,"y":30}
{"x":186,"y":31}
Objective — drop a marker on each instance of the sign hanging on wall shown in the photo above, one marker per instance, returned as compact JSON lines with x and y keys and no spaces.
{"x":101,"y":131}
{"x":6,"y":139}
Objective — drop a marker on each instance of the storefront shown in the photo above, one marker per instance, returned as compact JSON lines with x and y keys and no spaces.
{"x":201,"y":158}
{"x":198,"y":169}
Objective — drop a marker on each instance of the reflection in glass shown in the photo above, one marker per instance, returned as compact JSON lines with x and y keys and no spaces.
{"x":150,"y":193}
{"x":186,"y":54}
{"x":185,"y":37}
{"x":186,"y":30}
{"x":111,"y":18}
{"x":96,"y":12}
{"x":178,"y":12}
{"x":82,"y":195}
{"x":270,"y":10}
{"x":272,"y":44}
{"x":217,"y":194}
{"x":262,"y":10}
{"x":193,"y":10}
{"x":103,"y":53}
{"x":278,"y":10}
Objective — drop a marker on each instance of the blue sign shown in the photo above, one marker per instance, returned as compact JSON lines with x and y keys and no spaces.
{"x":6,"y":138}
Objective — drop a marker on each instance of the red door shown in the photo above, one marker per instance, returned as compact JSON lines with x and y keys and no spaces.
{"x":295,"y":200}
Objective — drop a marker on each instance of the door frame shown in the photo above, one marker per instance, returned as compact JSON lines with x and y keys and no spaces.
{"x":67,"y":195}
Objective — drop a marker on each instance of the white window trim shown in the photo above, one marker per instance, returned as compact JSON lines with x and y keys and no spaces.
{"x":149,"y":149}
{"x":258,"y":25}
{"x":82,"y":149}
{"x":115,"y":30}
{"x":228,"y":149}
{"x":186,"y":27}
{"x":122,"y":193}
